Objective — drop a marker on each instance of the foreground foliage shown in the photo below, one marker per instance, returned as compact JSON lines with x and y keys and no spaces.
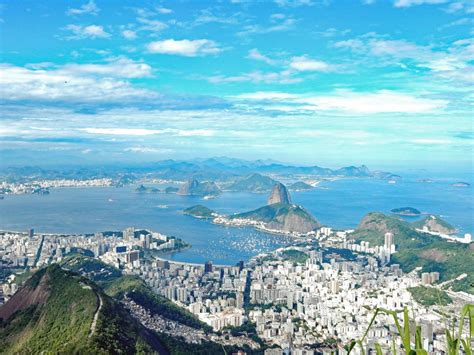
{"x":413,"y":344}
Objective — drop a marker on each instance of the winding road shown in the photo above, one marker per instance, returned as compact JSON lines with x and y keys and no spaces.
{"x":96,"y":316}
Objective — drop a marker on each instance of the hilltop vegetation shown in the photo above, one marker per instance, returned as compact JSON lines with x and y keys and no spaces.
{"x":435,"y":224}
{"x":54,"y":312}
{"x":415,"y":249}
{"x":252,"y":183}
{"x":406,"y":211}
{"x":117,"y":286}
{"x":200,"y":211}
{"x":429,"y":296}
{"x":55,"y":309}
{"x":280,"y":216}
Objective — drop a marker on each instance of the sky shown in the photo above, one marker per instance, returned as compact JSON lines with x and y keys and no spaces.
{"x":377,"y":82}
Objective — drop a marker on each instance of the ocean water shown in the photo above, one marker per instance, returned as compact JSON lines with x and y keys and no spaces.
{"x":338,"y":204}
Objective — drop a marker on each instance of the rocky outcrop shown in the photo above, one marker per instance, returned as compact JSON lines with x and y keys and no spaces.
{"x":282,"y":217}
{"x":196,"y":188}
{"x":436,"y":225}
{"x":279,"y":194}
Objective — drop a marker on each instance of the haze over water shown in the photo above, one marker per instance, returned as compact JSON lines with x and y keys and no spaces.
{"x":338,"y":204}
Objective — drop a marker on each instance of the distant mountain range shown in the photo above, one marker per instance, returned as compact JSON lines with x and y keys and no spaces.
{"x":223,"y":168}
{"x":215,"y":169}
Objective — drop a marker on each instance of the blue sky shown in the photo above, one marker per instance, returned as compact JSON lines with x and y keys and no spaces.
{"x":385,"y":83}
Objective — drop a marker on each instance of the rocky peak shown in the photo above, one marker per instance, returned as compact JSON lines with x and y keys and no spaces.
{"x":279,"y":194}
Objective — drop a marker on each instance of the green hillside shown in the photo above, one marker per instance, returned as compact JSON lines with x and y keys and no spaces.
{"x":200,"y":211}
{"x":415,"y":249}
{"x":435,"y":224}
{"x":117,"y":286}
{"x":282,"y":216}
{"x":253,"y":183}
{"x":58,"y":311}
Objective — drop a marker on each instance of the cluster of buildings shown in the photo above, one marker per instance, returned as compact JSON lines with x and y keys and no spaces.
{"x":20,"y":250}
{"x":322,"y":300}
{"x":42,"y":186}
{"x":325,"y":297}
{"x":215,"y":294}
{"x":123,"y":250}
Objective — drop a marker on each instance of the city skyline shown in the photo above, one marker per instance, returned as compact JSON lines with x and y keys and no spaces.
{"x":382,"y":83}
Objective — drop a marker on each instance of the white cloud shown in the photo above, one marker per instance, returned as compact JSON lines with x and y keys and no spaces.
{"x":294,"y":3}
{"x":256,"y":55}
{"x":278,"y":23}
{"x":123,"y":131}
{"x":91,"y":31}
{"x":283,"y":77}
{"x":89,"y":8}
{"x":116,"y":67}
{"x":267,"y":95}
{"x":466,"y":6}
{"x":304,"y":63}
{"x":430,"y":141}
{"x":353,"y":44}
{"x":383,"y":101}
{"x":129,"y":34}
{"x":148,"y":132}
{"x":148,"y":150}
{"x":151,"y":25}
{"x":185,"y":47}
{"x":207,"y":16}
{"x":409,"y":3}
{"x":74,"y":82}
{"x":164,"y":10}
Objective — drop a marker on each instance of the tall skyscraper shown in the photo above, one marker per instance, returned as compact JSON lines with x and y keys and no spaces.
{"x":388,"y":241}
{"x":31,"y":232}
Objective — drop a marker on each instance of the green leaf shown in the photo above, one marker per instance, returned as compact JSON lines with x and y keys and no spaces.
{"x":467,"y":348}
{"x":350,"y":346}
{"x":418,"y":338}
{"x":406,"y":331}
{"x":378,"y":349}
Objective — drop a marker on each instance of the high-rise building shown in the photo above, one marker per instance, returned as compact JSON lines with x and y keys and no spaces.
{"x":133,"y":256}
{"x":129,"y":233}
{"x":31,"y":232}
{"x":425,"y":278}
{"x":388,"y":241}
{"x":208,"y":266}
{"x":434,"y":276}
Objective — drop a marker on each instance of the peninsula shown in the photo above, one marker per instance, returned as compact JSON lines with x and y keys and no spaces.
{"x":278,"y":216}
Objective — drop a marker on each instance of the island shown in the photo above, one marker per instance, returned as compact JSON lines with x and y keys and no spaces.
{"x":200,"y":211}
{"x":196,"y":188}
{"x":406,"y":211}
{"x":171,"y":190}
{"x":145,"y":190}
{"x":300,"y":186}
